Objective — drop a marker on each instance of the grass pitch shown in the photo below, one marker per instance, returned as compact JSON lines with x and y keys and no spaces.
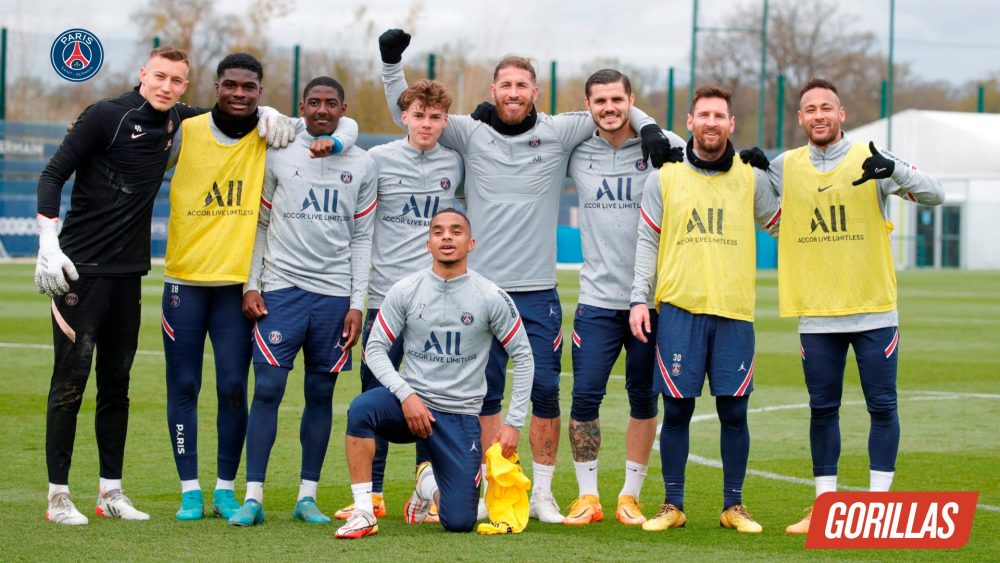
{"x":949,"y":402}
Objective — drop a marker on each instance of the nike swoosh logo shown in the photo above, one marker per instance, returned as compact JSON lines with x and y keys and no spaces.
{"x":877,"y":170}
{"x":824,"y":188}
{"x":137,"y":135}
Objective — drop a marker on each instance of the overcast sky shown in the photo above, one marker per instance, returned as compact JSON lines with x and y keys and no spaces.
{"x":953,"y":40}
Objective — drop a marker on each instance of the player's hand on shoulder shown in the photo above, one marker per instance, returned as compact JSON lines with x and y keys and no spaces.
{"x":274,"y":127}
{"x":638,"y":321}
{"x":484,"y":112}
{"x":508,"y":438}
{"x":352,"y":328}
{"x":418,"y":418}
{"x":253,"y":305}
{"x":755,"y":157}
{"x":325,"y":145}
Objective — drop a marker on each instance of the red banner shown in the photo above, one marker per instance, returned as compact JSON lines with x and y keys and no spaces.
{"x":892,"y":520}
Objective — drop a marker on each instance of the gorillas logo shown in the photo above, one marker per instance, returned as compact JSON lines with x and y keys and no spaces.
{"x":76,"y":55}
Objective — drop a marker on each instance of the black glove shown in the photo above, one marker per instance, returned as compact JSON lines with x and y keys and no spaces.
{"x":484,"y":112}
{"x":755,"y":157}
{"x":875,"y":166}
{"x":656,"y":147}
{"x":391,"y":45}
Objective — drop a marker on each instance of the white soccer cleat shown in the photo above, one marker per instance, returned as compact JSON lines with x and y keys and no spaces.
{"x":114,"y":504}
{"x":359,"y":525}
{"x":62,"y":511}
{"x":544,"y":508}
{"x":417,"y":507}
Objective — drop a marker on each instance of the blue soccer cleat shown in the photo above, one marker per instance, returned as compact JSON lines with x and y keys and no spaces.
{"x":307,"y":511}
{"x":224,"y":503}
{"x":192,"y":506}
{"x":250,"y":514}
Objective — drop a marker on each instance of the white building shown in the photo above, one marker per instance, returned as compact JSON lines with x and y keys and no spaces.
{"x":961,"y":150}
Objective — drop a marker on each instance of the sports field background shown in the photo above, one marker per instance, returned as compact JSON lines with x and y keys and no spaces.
{"x":949,"y":406}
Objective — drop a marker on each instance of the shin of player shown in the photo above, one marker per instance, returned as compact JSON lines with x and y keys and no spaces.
{"x":697,"y":239}
{"x":448,"y":316}
{"x":835,"y":186}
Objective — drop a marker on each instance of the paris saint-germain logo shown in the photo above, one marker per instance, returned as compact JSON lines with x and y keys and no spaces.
{"x":274,"y":336}
{"x":76,"y":55}
{"x":641,"y":165}
{"x":175,"y":301}
{"x":445,"y":183}
{"x":346,"y":177}
{"x":534,"y":141}
{"x":467,"y":318}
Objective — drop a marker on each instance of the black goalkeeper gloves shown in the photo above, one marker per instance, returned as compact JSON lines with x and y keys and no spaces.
{"x":656,"y":147}
{"x":391,"y":45}
{"x":875,"y":167}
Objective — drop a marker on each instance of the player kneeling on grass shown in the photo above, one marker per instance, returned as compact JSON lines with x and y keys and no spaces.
{"x":306,"y":288}
{"x":448,"y":317}
{"x":704,"y":267}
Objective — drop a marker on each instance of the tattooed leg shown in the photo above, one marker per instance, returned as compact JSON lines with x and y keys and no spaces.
{"x":585,"y":439}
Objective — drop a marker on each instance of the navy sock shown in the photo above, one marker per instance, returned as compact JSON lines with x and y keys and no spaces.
{"x":734,"y":443}
{"x":317,"y":420}
{"x":674,"y":446}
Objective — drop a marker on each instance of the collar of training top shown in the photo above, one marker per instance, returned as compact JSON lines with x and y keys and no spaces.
{"x":522,"y":127}
{"x":232,"y":126}
{"x":721,"y":164}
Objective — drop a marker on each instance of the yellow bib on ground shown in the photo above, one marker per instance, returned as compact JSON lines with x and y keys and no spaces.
{"x":214,"y":201}
{"x":507,"y":495}
{"x":833,"y":251}
{"x":707,"y":257}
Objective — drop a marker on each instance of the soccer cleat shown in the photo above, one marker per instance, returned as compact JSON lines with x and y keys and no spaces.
{"x":669,"y":516}
{"x":629,"y":511}
{"x":737,"y":518}
{"x":250,"y":514}
{"x":802,"y":526}
{"x":114,"y":504}
{"x":377,"y":503}
{"x":62,"y":511}
{"x":307,"y":511}
{"x":482,"y":513}
{"x":544,"y":508}
{"x":584,"y":510}
{"x":359,"y":525}
{"x":417,"y":507}
{"x":433,"y":517}
{"x":192,"y":506}
{"x":224,"y":503}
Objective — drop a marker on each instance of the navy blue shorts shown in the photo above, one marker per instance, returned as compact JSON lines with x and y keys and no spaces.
{"x":453,"y":447}
{"x":688,"y":346}
{"x":598,"y":338}
{"x":368,"y":379}
{"x":299,"y":319}
{"x":542,"y":316}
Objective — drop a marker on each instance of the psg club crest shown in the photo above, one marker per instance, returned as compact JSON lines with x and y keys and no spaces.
{"x":641,"y":165}
{"x":274,"y":336}
{"x":445,"y":183}
{"x":346,"y":177}
{"x":675,"y":369}
{"x":534,"y":141}
{"x":72,"y":299}
{"x":467,"y":318}
{"x":579,"y":311}
{"x":175,"y":301}
{"x":76,"y":55}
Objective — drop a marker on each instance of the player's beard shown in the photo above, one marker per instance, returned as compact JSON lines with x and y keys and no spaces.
{"x":822,"y":140}
{"x":715,"y":146}
{"x":622,"y":123}
{"x":510,"y":117}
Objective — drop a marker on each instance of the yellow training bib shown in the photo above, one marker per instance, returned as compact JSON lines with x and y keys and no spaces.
{"x":214,"y":201}
{"x":707,"y":256}
{"x":833,"y":251}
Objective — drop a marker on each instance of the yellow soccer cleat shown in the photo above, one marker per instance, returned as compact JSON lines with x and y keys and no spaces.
{"x":629,"y":511}
{"x":584,"y":510}
{"x":802,"y":526}
{"x":737,"y":518}
{"x":377,"y":503}
{"x":669,"y":516}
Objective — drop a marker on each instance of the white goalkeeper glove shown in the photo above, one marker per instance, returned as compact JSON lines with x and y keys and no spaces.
{"x":53,"y":266}
{"x":277,"y":129}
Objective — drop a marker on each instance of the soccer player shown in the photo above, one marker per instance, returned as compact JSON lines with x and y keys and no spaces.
{"x":417,"y":177}
{"x":92,"y":270}
{"x":448,"y":317}
{"x":306,"y":290}
{"x":516,"y":164}
{"x":834,"y":197}
{"x":608,"y":171}
{"x":697,"y":240}
{"x":214,"y":198}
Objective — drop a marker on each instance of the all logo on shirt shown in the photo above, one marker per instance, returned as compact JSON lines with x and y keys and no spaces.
{"x":450,"y":343}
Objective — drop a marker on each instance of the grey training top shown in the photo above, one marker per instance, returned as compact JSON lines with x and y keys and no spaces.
{"x":609,"y":183}
{"x":315,"y":225}
{"x":513,"y":185}
{"x":448,"y":327}
{"x":412,"y":187}
{"x":766,"y":211}
{"x":906,"y":182}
